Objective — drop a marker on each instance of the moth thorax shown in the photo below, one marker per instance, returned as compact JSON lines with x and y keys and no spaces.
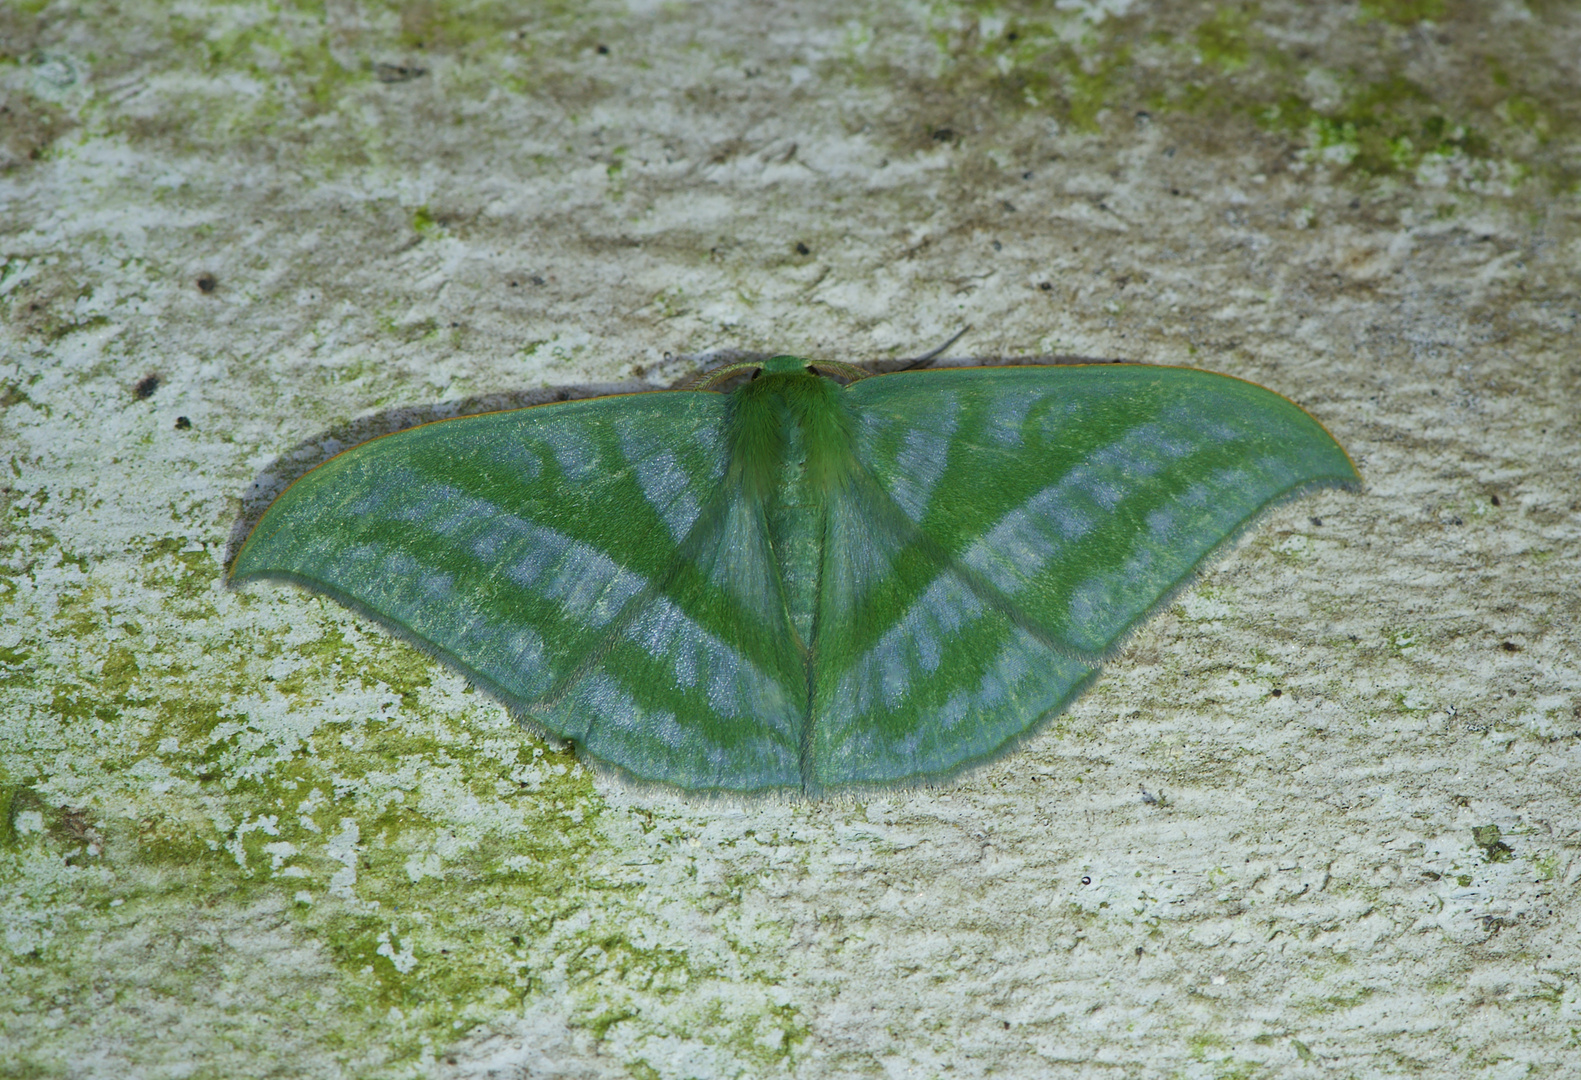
{"x":791,"y":437}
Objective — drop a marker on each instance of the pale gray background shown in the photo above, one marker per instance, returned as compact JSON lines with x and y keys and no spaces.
{"x":248,"y":834}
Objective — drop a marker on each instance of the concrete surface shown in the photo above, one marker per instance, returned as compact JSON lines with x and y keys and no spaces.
{"x":245,"y":834}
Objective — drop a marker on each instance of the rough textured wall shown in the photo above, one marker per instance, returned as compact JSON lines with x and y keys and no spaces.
{"x":245,"y":833}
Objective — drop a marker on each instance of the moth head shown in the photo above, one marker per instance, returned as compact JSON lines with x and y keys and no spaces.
{"x":778,"y":365}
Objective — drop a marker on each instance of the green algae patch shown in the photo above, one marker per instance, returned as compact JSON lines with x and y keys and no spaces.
{"x":429,"y":25}
{"x":254,"y":73}
{"x":1343,"y":96}
{"x":399,"y":833}
{"x":1402,"y":12}
{"x":1225,"y":39}
{"x":1490,"y":840}
{"x":404,"y":860}
{"x":1390,"y":125}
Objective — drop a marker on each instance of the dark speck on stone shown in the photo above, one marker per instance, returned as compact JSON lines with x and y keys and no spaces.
{"x":145,"y":387}
{"x":1316,"y":521}
{"x":603,"y":50}
{"x":206,"y":282}
{"x":398,"y":73}
{"x":183,"y":424}
{"x":1046,"y":286}
{"x":803,"y":249}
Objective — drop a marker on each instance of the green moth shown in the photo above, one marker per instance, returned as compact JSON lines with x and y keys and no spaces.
{"x":799,"y":584}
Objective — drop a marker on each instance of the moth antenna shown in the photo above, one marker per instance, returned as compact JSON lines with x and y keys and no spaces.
{"x":714,"y":376}
{"x":919,"y":361}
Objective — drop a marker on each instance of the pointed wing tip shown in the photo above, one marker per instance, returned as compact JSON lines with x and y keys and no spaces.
{"x":245,"y":566}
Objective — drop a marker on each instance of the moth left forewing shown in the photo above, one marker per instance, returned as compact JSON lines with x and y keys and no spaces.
{"x":704,"y":687}
{"x":540,"y":551}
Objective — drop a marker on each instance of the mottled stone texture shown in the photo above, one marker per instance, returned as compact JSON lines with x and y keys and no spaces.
{"x":1318,"y":819}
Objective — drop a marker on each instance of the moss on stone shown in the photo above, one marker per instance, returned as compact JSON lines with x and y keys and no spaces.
{"x":1382,"y":121}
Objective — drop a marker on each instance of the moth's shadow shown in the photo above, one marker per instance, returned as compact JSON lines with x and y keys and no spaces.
{"x":305,"y":456}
